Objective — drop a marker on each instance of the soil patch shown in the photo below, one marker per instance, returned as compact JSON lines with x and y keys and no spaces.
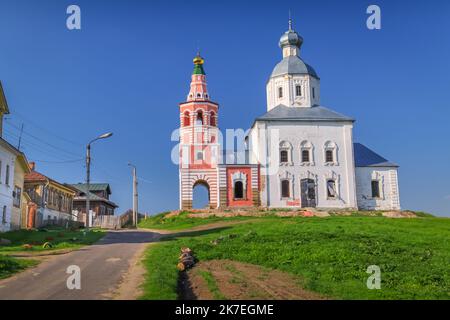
{"x":241,"y":281}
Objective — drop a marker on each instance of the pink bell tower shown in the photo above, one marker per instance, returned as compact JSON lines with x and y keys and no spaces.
{"x":199,"y":143}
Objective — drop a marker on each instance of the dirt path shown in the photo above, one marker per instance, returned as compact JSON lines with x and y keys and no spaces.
{"x":226,"y":279}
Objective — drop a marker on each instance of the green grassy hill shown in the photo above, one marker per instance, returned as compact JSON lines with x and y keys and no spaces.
{"x":330,"y":255}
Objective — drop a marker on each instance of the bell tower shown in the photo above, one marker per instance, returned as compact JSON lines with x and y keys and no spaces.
{"x":199,"y":143}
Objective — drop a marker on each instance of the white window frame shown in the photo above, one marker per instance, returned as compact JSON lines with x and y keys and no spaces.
{"x":307,"y":146}
{"x":330,"y":146}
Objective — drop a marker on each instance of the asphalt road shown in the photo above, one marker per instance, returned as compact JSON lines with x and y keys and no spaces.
{"x":103,"y":266}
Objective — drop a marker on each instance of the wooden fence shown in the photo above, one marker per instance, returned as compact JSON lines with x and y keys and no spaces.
{"x":107,"y":222}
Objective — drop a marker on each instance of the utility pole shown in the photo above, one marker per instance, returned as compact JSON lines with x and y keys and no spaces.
{"x":20,"y":137}
{"x":88,"y":181}
{"x":88,"y":175}
{"x":135,"y":196}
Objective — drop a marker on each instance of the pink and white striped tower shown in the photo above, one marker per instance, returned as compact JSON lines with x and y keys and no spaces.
{"x":199,"y":143}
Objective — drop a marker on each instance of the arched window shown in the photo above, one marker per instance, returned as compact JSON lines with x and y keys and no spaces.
{"x":285,"y":152}
{"x":280,"y":92}
{"x":329,"y":156}
{"x":298,"y":90}
{"x":331,"y":189}
{"x":199,"y":119}
{"x":186,"y":119}
{"x":199,"y":155}
{"x":375,"y":189}
{"x":305,"y":155}
{"x":238,"y":190}
{"x":283,"y":156}
{"x":330,"y":153}
{"x":212,"y":120}
{"x":285,"y":192}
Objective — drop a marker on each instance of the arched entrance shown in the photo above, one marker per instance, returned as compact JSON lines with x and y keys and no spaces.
{"x":201,"y":195}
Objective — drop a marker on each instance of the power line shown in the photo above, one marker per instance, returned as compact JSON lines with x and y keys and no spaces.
{"x":37,"y":148}
{"x":45,"y":129}
{"x":42,"y":141}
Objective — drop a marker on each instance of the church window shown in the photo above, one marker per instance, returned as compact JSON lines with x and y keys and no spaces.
{"x":305,"y":155}
{"x":314,"y":92}
{"x":7,"y":175}
{"x":199,"y":155}
{"x":331,"y":189}
{"x":298,"y":90}
{"x":285,"y":192}
{"x":186,"y":119}
{"x":329,"y":156}
{"x":284,"y":156}
{"x":280,"y":92}
{"x":375,"y":189}
{"x":212,"y":119}
{"x":238,"y":190}
{"x":199,"y":95}
{"x":285,"y":152}
{"x":4,"y":215}
{"x":199,"y":120}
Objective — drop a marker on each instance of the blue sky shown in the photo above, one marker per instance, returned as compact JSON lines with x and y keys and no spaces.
{"x":130,"y":65}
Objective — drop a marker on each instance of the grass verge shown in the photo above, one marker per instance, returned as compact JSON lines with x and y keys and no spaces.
{"x":331,"y":255}
{"x":182,"y":221}
{"x":58,"y":237}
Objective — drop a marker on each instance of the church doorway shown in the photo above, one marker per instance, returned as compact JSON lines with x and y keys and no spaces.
{"x":200,"y":195}
{"x":308,"y":193}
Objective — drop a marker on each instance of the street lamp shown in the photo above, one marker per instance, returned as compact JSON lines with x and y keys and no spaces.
{"x":88,"y":173}
{"x":135,"y":196}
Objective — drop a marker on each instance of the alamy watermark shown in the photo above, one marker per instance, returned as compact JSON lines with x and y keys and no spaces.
{"x":374,"y":280}
{"x":74,"y":280}
{"x":73,"y":21}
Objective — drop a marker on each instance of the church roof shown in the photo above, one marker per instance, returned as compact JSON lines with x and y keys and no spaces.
{"x":293,"y":65}
{"x":315,"y":113}
{"x":364,"y":157}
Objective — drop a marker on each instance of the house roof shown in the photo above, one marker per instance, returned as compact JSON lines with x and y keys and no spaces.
{"x":82,"y":188}
{"x":35,"y":176}
{"x":314,"y":113}
{"x":19,"y":154}
{"x":364,"y":157}
{"x":3,"y":103}
{"x":94,"y":187}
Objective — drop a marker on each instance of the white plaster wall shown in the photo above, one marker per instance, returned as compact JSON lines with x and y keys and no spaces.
{"x":318,"y":133}
{"x":6,"y":199}
{"x":288,"y":83}
{"x":389,"y":193}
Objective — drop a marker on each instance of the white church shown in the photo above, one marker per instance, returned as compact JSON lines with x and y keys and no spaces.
{"x":298,"y":154}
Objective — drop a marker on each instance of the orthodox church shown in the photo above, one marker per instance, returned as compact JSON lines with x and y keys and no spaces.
{"x":298,"y":154}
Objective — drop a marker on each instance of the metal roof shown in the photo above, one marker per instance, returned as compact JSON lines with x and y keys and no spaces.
{"x":293,"y":65}
{"x":82,"y":188}
{"x":315,"y":113}
{"x":95,"y":186}
{"x":364,"y":157}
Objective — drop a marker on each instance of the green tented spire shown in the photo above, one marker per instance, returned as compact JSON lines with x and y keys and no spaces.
{"x":198,"y":65}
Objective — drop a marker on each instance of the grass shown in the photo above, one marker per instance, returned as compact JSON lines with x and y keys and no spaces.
{"x":9,"y":266}
{"x":181,"y":221}
{"x":331,"y":254}
{"x":212,"y":285}
{"x":59,"y":238}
